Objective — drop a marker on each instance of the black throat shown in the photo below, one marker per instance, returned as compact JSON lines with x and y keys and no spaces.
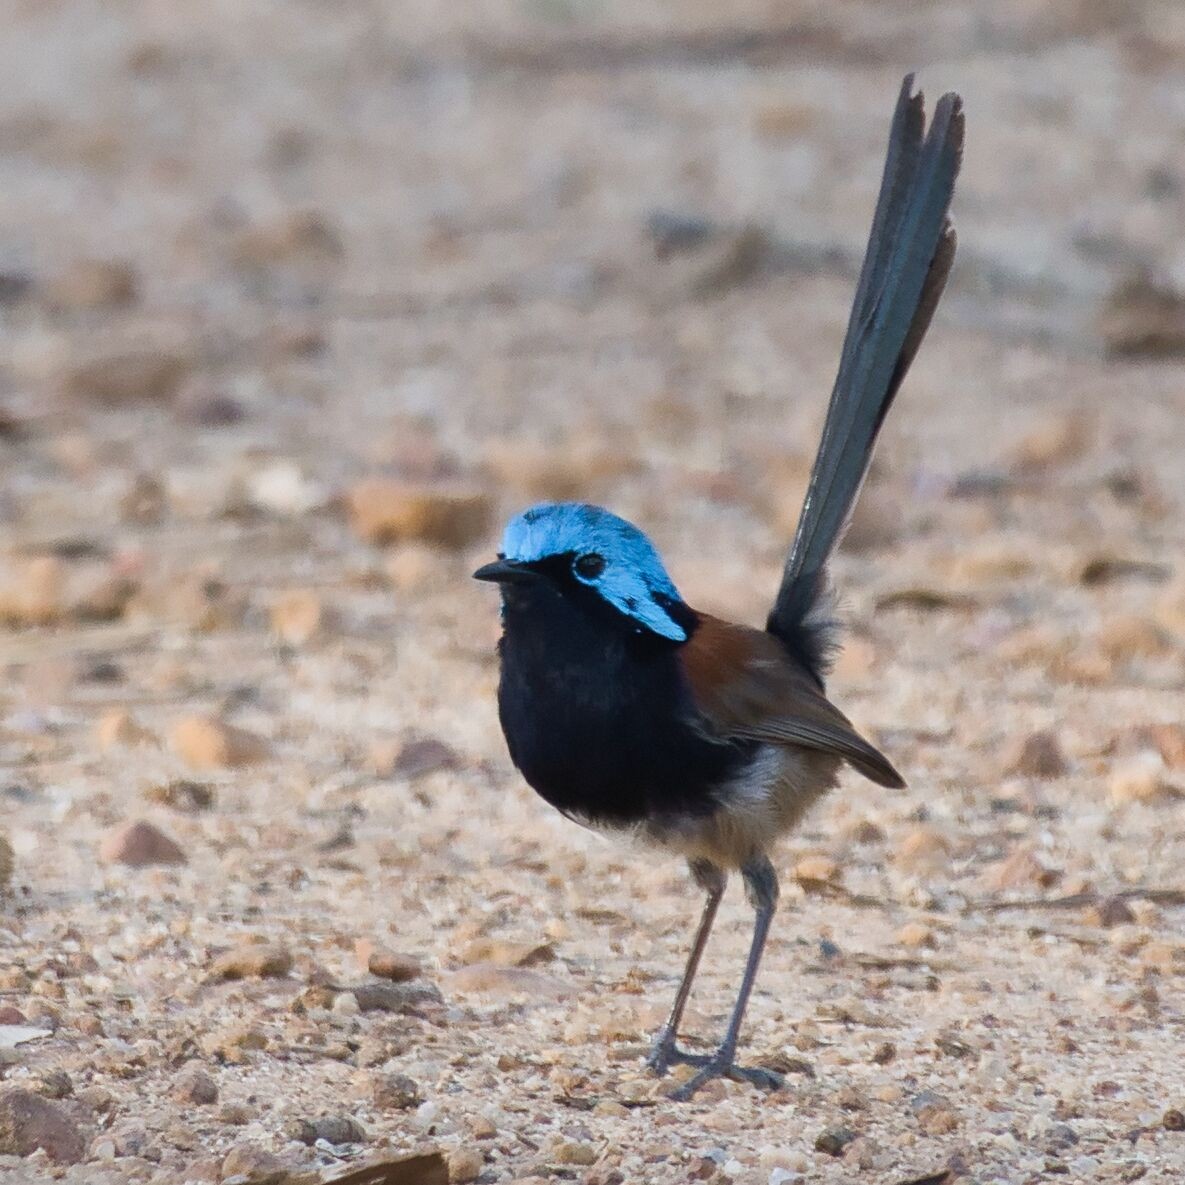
{"x":597,"y":713}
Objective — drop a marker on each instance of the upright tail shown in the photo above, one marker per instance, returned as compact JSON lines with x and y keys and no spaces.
{"x":910,"y":251}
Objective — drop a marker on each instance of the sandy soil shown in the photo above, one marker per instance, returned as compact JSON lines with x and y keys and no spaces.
{"x":418,"y":242}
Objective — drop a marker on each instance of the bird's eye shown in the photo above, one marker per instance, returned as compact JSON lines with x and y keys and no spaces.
{"x":589,"y":566}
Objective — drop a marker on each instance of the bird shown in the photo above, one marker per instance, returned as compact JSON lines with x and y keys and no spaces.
{"x":632,"y":712}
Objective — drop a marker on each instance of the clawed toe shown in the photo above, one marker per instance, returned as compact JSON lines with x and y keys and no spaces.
{"x":717,"y":1067}
{"x":665,"y":1053}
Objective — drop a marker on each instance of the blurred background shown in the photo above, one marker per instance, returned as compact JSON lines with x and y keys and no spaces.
{"x":298,"y":302}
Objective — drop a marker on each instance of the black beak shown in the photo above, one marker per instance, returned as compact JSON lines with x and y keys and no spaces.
{"x":505,"y":572}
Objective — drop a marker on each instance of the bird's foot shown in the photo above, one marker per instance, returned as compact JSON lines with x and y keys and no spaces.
{"x":664,"y":1054}
{"x":721,"y":1065}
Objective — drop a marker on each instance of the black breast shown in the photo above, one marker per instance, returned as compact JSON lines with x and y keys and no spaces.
{"x":598,"y":716}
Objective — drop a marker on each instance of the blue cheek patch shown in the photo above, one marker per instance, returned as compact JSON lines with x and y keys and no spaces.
{"x":633,"y":581}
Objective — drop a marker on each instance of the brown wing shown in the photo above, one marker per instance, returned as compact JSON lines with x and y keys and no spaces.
{"x":747,"y":685}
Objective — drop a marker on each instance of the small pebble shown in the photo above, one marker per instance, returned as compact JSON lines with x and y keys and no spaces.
{"x":385,"y":511}
{"x":206,"y":743}
{"x":194,"y":1085}
{"x":1037,"y":755}
{"x":29,"y":1122}
{"x":138,"y":845}
{"x":297,"y":617}
{"x":398,"y":968}
{"x":834,"y":1140}
{"x":253,"y":1165}
{"x":816,"y":868}
{"x":119,"y":728}
{"x":120,"y":379}
{"x":465,"y":1164}
{"x":571,"y":1152}
{"x":1139,"y":779}
{"x":396,"y":1092}
{"x":924,"y":850}
{"x":915,"y":934}
{"x":333,"y":1129}
{"x":252,"y":960}
{"x":90,"y":284}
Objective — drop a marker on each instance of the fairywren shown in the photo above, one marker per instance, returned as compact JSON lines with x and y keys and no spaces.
{"x":629,"y":710}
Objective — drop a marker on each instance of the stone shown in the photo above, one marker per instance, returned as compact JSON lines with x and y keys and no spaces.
{"x":915,"y":934}
{"x":876,"y":521}
{"x":139,"y":844}
{"x":816,"y":869}
{"x":90,"y":284}
{"x":235,"y":1114}
{"x":504,"y":953}
{"x":304,"y":237}
{"x":1169,"y":742}
{"x":561,"y":471}
{"x":414,"y":567}
{"x":1159,"y":956}
{"x":988,"y":562}
{"x":249,"y":1164}
{"x":1055,"y":440}
{"x":1139,"y":779}
{"x":495,"y":980}
{"x":834,"y":1140}
{"x":420,"y":756}
{"x":33,"y":593}
{"x":202,"y":403}
{"x":297,"y":616}
{"x":281,"y":487}
{"x":145,"y":502}
{"x":55,"y":1084}
{"x":1143,"y":319}
{"x":938,"y":1121}
{"x":572,"y":1152}
{"x":29,"y":1122}
{"x":380,"y":996}
{"x":346,"y":1004}
{"x":125,"y":378}
{"x":396,"y":1092}
{"x":194,"y":1085}
{"x":333,"y":1129}
{"x":1111,"y":912}
{"x":385,"y":510}
{"x":182,"y":794}
{"x":464,"y":1164}
{"x":1037,"y":755}
{"x":104,"y":597}
{"x":233,"y":1044}
{"x":1020,"y":869}
{"x":204,"y":742}
{"x":252,"y":960}
{"x":923,"y":851}
{"x":398,"y":968}
{"x":117,"y":727}
{"x":1131,"y":636}
{"x":1170,"y":608}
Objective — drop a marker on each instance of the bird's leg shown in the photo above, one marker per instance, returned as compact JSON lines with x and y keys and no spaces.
{"x":761,"y":887}
{"x":663,"y":1053}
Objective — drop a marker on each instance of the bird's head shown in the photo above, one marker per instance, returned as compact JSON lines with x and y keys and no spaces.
{"x":584,"y":552}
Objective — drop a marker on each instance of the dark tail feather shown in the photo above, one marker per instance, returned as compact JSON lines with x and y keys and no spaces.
{"x":910,"y":251}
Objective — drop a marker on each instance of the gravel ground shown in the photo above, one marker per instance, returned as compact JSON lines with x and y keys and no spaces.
{"x":298,"y":302}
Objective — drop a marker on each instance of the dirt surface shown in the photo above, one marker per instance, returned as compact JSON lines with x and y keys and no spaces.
{"x":260,"y":262}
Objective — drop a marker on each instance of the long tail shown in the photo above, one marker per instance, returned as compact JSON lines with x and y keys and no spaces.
{"x":910,"y":251}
